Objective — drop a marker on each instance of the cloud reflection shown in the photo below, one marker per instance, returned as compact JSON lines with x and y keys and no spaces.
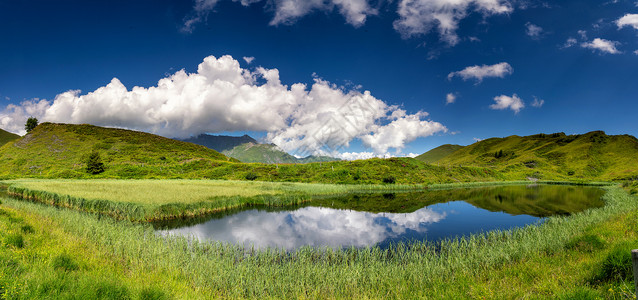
{"x":311,"y":226}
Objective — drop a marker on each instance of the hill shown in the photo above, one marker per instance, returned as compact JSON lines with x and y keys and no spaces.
{"x":60,"y":150}
{"x":6,"y":137}
{"x":594,"y":155}
{"x":220,"y":143}
{"x":438,"y":153}
{"x":269,"y":154}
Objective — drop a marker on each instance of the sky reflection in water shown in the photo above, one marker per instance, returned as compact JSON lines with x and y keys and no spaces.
{"x":317,"y":226}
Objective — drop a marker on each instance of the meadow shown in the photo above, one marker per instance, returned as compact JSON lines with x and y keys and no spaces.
{"x":56,"y":253}
{"x":149,"y":200}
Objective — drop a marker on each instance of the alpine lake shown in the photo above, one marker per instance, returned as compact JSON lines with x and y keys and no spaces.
{"x":383,"y":219}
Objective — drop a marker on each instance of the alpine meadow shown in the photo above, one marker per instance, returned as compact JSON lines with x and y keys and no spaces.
{"x":288,"y":149}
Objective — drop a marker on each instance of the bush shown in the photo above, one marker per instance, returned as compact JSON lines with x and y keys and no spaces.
{"x":389,"y":179}
{"x":27,"y":229}
{"x":94,"y":163}
{"x":251,"y":176}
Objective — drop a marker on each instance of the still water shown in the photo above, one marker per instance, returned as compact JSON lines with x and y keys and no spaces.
{"x":381,"y":219}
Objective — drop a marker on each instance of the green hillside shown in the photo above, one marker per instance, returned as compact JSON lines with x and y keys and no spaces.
{"x":269,"y":154}
{"x":438,"y":153}
{"x":593,"y":155}
{"x":6,"y":137}
{"x":60,"y":150}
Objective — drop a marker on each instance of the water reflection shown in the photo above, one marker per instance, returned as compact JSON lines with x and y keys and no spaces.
{"x":360,"y":220}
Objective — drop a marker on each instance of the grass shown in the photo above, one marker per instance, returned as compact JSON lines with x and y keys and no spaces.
{"x":149,"y":200}
{"x":534,"y":261}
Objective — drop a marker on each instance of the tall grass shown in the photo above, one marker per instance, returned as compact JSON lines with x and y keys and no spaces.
{"x":411,"y":270}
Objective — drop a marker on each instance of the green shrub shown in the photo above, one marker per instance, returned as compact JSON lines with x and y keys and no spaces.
{"x":15,"y":240}
{"x":389,"y":179}
{"x":94,"y":163}
{"x":251,"y":176}
{"x":64,"y":262}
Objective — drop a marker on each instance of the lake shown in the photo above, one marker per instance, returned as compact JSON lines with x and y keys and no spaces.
{"x":360,"y":220}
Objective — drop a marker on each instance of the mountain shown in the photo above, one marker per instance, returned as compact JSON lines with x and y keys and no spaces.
{"x":438,"y":153}
{"x":269,"y":154}
{"x":60,"y":150}
{"x":6,"y":137}
{"x":594,"y":155}
{"x":220,"y":143}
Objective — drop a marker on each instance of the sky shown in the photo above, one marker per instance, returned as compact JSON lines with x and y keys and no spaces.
{"x":353,"y":79}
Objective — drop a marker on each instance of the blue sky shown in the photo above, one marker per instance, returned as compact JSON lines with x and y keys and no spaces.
{"x":506,"y":67}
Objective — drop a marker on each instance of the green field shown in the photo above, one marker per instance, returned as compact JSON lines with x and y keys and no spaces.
{"x":146,"y":200}
{"x":48,"y":252}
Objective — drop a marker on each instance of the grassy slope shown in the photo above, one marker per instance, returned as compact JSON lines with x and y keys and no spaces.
{"x":565,"y":257}
{"x":438,"y":153}
{"x":594,"y":155}
{"x":59,"y":150}
{"x":6,"y":137}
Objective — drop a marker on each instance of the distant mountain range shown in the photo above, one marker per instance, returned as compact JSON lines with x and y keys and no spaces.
{"x":246,"y":149}
{"x":220,"y":143}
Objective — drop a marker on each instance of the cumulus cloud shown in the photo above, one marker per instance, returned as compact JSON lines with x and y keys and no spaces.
{"x":628,"y":20}
{"x":582,"y":34}
{"x":636,"y":52}
{"x":538,"y":103}
{"x":418,"y":17}
{"x":450,"y":98}
{"x":312,"y":226}
{"x":532,"y":30}
{"x":222,"y":96}
{"x":602,"y":45}
{"x":476,"y":139}
{"x":506,"y":102}
{"x":499,"y":70}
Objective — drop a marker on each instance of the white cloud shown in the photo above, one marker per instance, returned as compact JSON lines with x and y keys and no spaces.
{"x":248,"y":59}
{"x":582,"y":34}
{"x":532,"y":30}
{"x":222,"y":96}
{"x":311,"y":226}
{"x":628,"y":20}
{"x":450,"y":98}
{"x":476,"y":139}
{"x":569,"y":43}
{"x":602,"y":45}
{"x":289,"y":11}
{"x":636,"y":52}
{"x":499,"y":70}
{"x":418,"y":17}
{"x":506,"y":102}
{"x":538,"y":103}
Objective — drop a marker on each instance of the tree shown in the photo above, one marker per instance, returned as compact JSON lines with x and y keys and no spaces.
{"x":94,"y":163}
{"x":31,"y":123}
